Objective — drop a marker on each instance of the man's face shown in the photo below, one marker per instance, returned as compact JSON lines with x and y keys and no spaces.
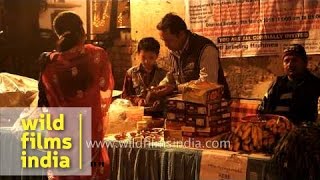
{"x":294,"y":66}
{"x":174,"y":42}
{"x":148,"y":59}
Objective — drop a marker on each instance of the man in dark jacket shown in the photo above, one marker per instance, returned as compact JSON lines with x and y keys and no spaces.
{"x":190,"y":53}
{"x":294,"y":95}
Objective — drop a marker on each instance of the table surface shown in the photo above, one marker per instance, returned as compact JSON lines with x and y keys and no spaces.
{"x":161,"y":144}
{"x":157,"y":162}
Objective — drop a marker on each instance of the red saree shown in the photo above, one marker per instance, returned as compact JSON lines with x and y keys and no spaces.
{"x":74,"y":79}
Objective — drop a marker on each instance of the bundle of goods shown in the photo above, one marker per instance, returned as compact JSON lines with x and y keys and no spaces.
{"x":18,"y":91}
{"x":297,"y":155}
{"x":123,"y":116}
{"x":199,"y":111}
{"x":258,"y":133}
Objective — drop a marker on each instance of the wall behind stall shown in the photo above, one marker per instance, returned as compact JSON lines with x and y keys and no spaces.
{"x":247,"y":77}
{"x":80,"y":8}
{"x":145,"y":15}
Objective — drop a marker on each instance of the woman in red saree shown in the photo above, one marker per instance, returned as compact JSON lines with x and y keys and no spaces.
{"x":73,"y":76}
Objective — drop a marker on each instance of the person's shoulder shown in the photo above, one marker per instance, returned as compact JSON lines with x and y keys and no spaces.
{"x":208,"y":43}
{"x":92,"y":47}
{"x":279,"y":80}
{"x":202,"y":38}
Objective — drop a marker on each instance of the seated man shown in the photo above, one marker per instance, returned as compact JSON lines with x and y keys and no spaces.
{"x":294,"y":95}
{"x":140,"y":80}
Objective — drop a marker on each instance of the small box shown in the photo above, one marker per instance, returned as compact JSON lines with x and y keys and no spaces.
{"x":188,"y":129}
{"x":172,"y":135}
{"x":213,"y":131}
{"x":197,"y":121}
{"x":204,"y":132}
{"x":200,"y":109}
{"x":174,"y":125}
{"x":202,"y":92}
{"x":189,"y":134}
{"x":190,"y":122}
{"x":213,"y":119}
{"x":202,"y":121}
{"x":176,"y":104}
{"x":225,"y":115}
{"x":176,"y":116}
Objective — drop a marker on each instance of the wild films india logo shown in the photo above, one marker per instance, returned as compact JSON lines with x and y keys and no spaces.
{"x":51,"y":140}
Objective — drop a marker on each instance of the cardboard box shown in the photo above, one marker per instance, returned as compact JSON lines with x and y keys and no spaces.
{"x":189,"y":134}
{"x":190,"y":122}
{"x":188,"y":131}
{"x":202,"y":121}
{"x":200,"y":109}
{"x":172,"y":135}
{"x":202,"y":92}
{"x":176,"y":116}
{"x":219,"y":122}
{"x":174,"y":125}
{"x":213,"y":131}
{"x":176,"y":104}
{"x":205,"y":132}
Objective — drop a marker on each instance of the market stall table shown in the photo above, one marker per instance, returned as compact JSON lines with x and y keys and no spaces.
{"x":156,"y":162}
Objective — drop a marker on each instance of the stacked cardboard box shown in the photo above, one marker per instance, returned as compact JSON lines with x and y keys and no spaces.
{"x":195,"y":119}
{"x":207,"y":120}
{"x":175,"y":118}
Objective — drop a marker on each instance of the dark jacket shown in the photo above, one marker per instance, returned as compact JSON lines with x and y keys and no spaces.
{"x":298,"y":100}
{"x":190,"y":59}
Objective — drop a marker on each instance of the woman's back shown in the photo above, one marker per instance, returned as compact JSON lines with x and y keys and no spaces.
{"x":76,"y":76}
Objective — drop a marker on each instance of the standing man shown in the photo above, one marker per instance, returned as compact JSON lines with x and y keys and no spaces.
{"x":189,"y":53}
{"x":294,"y":95}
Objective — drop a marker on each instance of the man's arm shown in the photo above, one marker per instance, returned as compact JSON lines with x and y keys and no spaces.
{"x":209,"y":59}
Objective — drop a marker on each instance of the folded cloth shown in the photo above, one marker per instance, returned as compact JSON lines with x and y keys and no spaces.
{"x":17,"y":91}
{"x":243,"y":107}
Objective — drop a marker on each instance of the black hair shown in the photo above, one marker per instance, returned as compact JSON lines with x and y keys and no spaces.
{"x":296,"y":50}
{"x":173,"y":23}
{"x":69,"y":29}
{"x":149,"y":44}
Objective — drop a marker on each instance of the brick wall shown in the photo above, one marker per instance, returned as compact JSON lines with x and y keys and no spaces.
{"x":120,"y":54}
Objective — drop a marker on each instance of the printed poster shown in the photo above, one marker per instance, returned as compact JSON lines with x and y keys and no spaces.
{"x":244,"y":28}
